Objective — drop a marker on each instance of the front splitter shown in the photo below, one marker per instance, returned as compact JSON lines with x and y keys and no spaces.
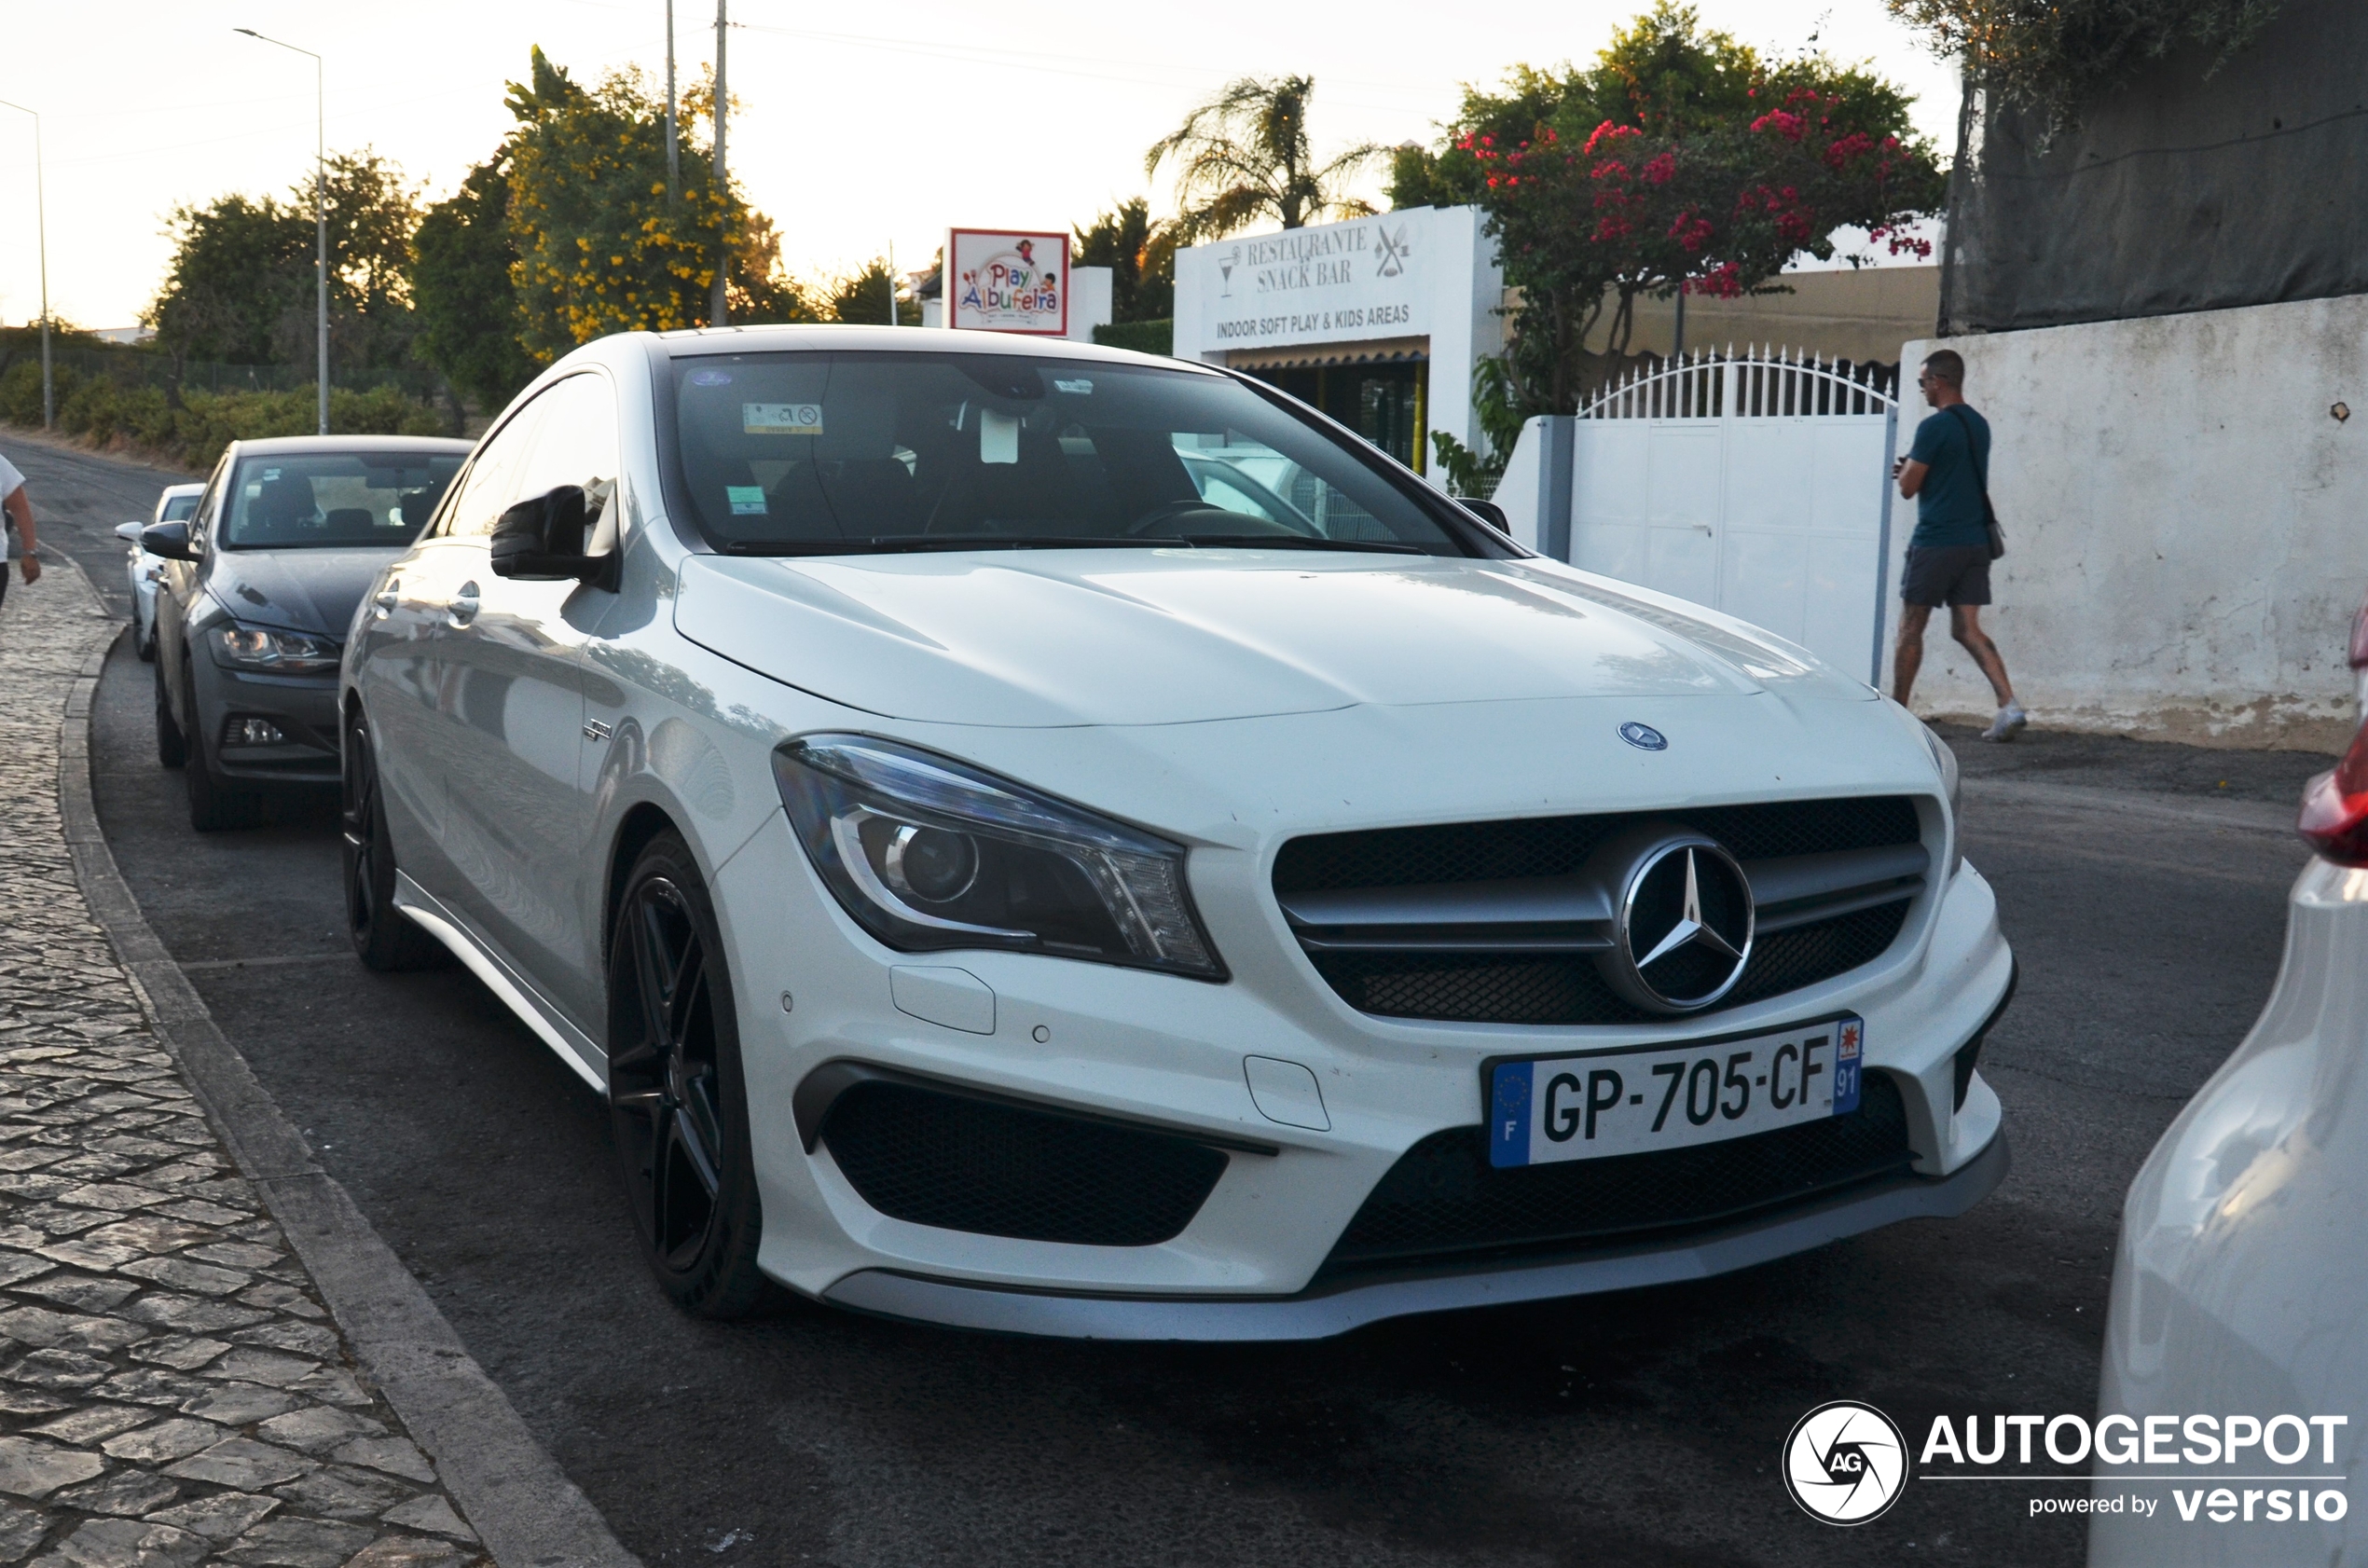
{"x":1323,"y":1312}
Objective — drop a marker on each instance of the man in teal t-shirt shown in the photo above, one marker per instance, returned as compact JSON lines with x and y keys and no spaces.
{"x":1946,"y":473}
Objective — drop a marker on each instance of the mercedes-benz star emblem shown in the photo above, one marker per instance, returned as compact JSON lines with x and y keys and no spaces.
{"x":1643,"y":737}
{"x":1682,"y":933}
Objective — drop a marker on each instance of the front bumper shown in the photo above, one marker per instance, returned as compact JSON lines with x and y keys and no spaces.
{"x":1158,"y":1052}
{"x":1323,"y":1312}
{"x":304,"y":708}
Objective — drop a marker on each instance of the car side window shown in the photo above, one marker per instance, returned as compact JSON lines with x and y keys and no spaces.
{"x":576,"y":442}
{"x":488,"y":488}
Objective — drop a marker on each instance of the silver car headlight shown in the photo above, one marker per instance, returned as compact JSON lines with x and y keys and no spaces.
{"x":273,"y":652}
{"x":927,"y":853}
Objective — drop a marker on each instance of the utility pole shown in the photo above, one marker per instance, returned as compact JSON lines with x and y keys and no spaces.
{"x":673,"y":160}
{"x":320,"y":216}
{"x":892,"y":282}
{"x":41,"y":228}
{"x":716,"y":308}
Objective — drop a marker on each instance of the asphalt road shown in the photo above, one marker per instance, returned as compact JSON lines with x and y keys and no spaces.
{"x":2142,"y":886}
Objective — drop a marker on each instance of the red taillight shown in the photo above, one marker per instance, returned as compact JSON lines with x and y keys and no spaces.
{"x":2335,"y":807}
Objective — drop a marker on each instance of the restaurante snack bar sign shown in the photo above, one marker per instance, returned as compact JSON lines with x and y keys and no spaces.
{"x":1007,"y":281}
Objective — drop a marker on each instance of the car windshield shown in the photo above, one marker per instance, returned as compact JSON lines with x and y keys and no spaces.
{"x":833,"y":453}
{"x":315,"y":499}
{"x":178,"y":508}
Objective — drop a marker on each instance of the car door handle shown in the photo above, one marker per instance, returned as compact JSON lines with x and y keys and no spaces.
{"x":388,"y":599}
{"x":464,"y":608}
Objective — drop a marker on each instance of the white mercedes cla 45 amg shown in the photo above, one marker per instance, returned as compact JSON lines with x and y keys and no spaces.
{"x":1048,"y":839}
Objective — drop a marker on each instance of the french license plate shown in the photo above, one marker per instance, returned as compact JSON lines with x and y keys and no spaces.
{"x":1631,"y":1101}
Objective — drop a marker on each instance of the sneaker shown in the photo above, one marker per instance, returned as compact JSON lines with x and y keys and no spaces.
{"x":2009,"y":722}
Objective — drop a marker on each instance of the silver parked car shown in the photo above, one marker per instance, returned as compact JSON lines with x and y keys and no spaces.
{"x":175,"y":505}
{"x":2239,"y":1313}
{"x":259,"y":587}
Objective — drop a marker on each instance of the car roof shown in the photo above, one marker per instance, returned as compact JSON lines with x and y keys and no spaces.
{"x":693,"y":342}
{"x":198,"y":489}
{"x":288,"y":445}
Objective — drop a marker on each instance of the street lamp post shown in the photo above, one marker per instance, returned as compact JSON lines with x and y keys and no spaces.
{"x":320,"y":214}
{"x":673,"y":159}
{"x":716,"y":308}
{"x":41,"y":228}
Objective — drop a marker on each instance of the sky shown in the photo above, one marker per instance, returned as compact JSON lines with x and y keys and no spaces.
{"x":858,"y":131}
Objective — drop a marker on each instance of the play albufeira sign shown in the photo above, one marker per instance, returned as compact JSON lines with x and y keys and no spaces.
{"x":1007,"y":281}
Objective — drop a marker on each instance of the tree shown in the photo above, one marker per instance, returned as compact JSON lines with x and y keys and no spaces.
{"x":468,"y":313}
{"x":1245,"y":154}
{"x":1141,"y":256}
{"x":600,"y":247}
{"x":241,"y":283}
{"x":233,"y":273}
{"x":1680,"y":162}
{"x":2053,"y":57}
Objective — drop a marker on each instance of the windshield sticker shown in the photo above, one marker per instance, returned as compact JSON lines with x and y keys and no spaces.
{"x":1082,"y":388}
{"x":270,"y":474}
{"x":999,"y":436}
{"x":781,"y":418}
{"x":748,"y":500}
{"x":710,"y":378}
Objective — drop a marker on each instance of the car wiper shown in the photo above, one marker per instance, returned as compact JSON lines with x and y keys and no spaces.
{"x":899,"y":545}
{"x":1300,"y":541}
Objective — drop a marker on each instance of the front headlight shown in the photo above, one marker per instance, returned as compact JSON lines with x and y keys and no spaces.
{"x":1952,"y":786}
{"x":927,"y":853}
{"x":273,"y":652}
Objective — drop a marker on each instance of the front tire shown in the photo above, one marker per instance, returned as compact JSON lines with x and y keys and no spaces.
{"x":676,"y":1096}
{"x":383,"y":937}
{"x":214,"y":805}
{"x":173,"y":747}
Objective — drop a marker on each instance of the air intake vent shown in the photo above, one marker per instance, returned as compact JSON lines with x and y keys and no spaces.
{"x":938,"y":1158}
{"x":1443,"y":1201}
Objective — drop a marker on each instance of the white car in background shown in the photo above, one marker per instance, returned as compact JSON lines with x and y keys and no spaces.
{"x":2241,"y":1280}
{"x":178,"y":504}
{"x":1003,"y":873}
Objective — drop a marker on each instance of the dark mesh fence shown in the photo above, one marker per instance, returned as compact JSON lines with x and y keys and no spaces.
{"x":2179,"y":192}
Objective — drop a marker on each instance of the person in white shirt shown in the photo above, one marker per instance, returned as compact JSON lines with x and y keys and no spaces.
{"x":17,"y":507}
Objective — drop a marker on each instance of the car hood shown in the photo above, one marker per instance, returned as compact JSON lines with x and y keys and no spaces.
{"x":1183,"y":635}
{"x":296,"y":590}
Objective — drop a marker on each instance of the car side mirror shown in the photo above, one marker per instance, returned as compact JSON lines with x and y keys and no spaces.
{"x":169,"y":540}
{"x":130,"y":532}
{"x":1488,"y":512}
{"x":542,"y":540}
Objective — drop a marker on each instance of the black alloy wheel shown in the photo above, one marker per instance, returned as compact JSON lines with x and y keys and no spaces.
{"x":173,"y":747}
{"x":676,"y":1095}
{"x":213,"y":804}
{"x":383,"y":937}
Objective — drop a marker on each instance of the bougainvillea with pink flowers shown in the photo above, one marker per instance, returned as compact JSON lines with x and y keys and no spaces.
{"x":1682,"y":162}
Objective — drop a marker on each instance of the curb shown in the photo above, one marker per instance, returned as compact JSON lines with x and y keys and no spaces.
{"x":524,"y":1510}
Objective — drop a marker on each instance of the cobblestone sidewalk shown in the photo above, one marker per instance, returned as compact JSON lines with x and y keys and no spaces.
{"x":171,"y":1391}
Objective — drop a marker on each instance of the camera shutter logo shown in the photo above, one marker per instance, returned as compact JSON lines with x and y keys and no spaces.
{"x":1845,"y":1463}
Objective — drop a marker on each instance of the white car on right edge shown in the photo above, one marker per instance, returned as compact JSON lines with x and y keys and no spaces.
{"x":2240,"y":1287}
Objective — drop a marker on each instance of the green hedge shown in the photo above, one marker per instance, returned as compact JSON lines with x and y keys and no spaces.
{"x":1145,"y":338}
{"x":99,"y":410}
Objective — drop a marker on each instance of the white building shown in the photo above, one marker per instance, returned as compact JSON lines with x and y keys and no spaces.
{"x":1377,"y":320}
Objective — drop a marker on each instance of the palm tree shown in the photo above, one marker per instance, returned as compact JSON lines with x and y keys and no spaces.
{"x":1244,"y":154}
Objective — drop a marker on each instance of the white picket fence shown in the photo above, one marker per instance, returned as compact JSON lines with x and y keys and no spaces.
{"x":1753,"y":480}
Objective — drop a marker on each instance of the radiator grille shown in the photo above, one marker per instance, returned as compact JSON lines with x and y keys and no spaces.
{"x":1524,"y":988}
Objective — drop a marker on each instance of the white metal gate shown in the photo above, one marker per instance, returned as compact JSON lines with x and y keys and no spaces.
{"x":1757,"y":482}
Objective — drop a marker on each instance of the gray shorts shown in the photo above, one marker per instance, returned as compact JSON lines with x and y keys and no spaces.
{"x":1952,"y":575}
